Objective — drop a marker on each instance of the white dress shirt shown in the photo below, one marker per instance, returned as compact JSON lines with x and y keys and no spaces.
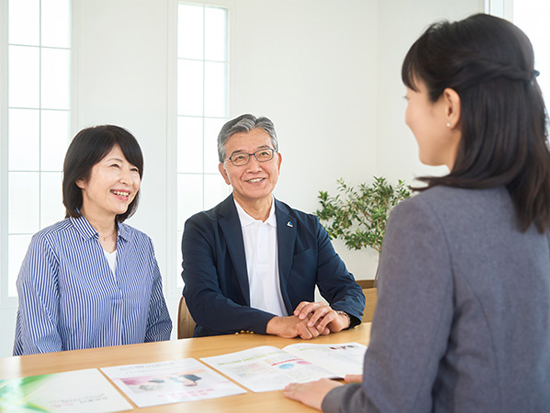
{"x":262,"y":261}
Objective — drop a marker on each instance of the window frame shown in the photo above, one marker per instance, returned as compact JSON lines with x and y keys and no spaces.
{"x":6,"y":301}
{"x":500,"y":8}
{"x":173,"y":241}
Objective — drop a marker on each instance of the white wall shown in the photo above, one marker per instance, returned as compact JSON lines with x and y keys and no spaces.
{"x":310,"y":66}
{"x":400,"y":23}
{"x":122,"y":66}
{"x":327,"y":72}
{"x":122,"y":79}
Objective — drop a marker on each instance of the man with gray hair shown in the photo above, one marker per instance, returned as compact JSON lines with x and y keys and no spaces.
{"x":252,"y":262}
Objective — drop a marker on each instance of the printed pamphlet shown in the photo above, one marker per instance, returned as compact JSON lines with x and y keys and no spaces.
{"x":170,"y":382}
{"x":269,"y":368}
{"x":83,"y":391}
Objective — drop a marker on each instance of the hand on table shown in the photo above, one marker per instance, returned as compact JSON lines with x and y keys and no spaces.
{"x":322,"y":316}
{"x":292,"y":326}
{"x":353,"y":378}
{"x":311,"y":394}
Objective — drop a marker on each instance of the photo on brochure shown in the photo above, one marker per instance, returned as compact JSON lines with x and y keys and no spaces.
{"x":269,"y":368}
{"x":170,"y":382}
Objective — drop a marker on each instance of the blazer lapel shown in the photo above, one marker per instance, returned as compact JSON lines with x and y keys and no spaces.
{"x":286,"y":238}
{"x":233,"y":234}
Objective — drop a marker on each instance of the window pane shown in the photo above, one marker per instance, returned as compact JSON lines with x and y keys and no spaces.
{"x":189,"y":197}
{"x":190,"y":80}
{"x":55,"y":27}
{"x":190,"y":31}
{"x":23,"y":139}
{"x":215,"y":89}
{"x":212,"y":128}
{"x":215,"y":34}
{"x":24,"y":22}
{"x":216,"y":190}
{"x":190,"y":145}
{"x":203,"y":75}
{"x":55,"y":138}
{"x":55,"y":78}
{"x":23,"y":209}
{"x":17,"y":247}
{"x":23,"y":76}
{"x":531,"y":16}
{"x":51,"y":207}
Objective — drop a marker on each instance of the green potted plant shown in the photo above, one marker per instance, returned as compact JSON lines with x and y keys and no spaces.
{"x":359,"y":216}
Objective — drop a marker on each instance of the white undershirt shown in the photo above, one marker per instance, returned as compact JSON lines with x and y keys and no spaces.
{"x":111,"y":259}
{"x":262,"y":263}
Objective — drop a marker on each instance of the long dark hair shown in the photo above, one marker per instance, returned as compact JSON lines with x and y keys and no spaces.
{"x":489,"y":62}
{"x":88,"y":147}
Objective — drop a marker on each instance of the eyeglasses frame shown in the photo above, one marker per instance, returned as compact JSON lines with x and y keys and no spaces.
{"x":273,"y":152}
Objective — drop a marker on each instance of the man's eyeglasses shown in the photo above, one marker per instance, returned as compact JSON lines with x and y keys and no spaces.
{"x":261,"y":155}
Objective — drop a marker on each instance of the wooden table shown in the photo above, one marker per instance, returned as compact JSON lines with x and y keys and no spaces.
{"x":265,"y":402}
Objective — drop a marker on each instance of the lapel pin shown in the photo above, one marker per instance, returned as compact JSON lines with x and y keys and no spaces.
{"x":289,"y":224}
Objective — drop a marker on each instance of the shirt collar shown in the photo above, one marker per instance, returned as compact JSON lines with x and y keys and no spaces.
{"x":247,"y":220}
{"x":86,"y":231}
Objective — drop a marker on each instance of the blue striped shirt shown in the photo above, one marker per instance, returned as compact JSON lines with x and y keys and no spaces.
{"x":69,"y":299}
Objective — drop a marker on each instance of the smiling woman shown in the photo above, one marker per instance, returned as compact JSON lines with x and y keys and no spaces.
{"x":90,"y":280}
{"x":103,"y":184}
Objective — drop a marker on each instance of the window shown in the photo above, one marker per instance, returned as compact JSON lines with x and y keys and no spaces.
{"x":202,"y":108}
{"x":37,"y":109}
{"x":530,"y":16}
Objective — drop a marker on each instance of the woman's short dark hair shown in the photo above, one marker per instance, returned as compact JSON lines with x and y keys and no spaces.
{"x":489,"y":62}
{"x":88,"y":147}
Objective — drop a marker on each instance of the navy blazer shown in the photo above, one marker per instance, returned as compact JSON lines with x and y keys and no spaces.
{"x":216,"y":278}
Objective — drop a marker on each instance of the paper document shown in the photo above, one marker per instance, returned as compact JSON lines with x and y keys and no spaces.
{"x":170,"y":382}
{"x":82,"y":391}
{"x":269,"y":368}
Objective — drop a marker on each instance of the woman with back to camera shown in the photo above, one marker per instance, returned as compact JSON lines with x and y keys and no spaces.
{"x":90,"y":280}
{"x":462,"y":322}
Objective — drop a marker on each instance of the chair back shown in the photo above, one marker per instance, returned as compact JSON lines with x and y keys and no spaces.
{"x":186,"y":324}
{"x":370,"y":304}
{"x":370,"y":292}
